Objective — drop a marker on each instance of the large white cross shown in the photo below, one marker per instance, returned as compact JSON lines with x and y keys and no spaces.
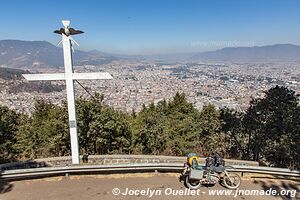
{"x":69,"y":76}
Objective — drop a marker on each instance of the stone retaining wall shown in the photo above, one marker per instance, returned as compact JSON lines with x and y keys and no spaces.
{"x":111,"y":159}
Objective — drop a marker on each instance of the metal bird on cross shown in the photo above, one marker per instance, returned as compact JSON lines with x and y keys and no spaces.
{"x":68,"y":31}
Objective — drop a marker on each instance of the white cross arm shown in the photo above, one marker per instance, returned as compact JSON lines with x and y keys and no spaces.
{"x":44,"y":77}
{"x":62,"y":76}
{"x":91,"y":76}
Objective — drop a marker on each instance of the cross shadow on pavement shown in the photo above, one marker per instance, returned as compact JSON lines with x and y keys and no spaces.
{"x":290,"y":189}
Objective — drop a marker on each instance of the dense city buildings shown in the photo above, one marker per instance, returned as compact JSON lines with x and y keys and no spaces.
{"x":136,"y":83}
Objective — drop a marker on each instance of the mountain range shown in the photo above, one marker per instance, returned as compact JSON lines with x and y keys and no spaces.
{"x":36,"y":54}
{"x":31,"y":54}
{"x":277,"y":52}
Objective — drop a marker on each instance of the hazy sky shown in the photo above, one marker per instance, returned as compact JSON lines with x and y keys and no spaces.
{"x":155,"y":26}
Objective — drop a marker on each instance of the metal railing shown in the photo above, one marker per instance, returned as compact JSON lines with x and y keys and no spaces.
{"x":266,"y":170}
{"x":130,"y":168}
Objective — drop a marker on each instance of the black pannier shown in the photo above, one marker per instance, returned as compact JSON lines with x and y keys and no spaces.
{"x":215,"y":160}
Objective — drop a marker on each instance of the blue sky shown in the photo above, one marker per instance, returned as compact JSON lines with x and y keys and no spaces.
{"x":155,"y":26}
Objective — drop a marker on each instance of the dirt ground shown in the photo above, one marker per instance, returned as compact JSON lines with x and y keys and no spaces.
{"x":136,"y":186}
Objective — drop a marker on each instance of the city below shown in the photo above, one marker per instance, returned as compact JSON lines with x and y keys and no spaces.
{"x":136,"y":83}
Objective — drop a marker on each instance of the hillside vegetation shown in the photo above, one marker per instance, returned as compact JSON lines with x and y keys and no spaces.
{"x":268,"y":132}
